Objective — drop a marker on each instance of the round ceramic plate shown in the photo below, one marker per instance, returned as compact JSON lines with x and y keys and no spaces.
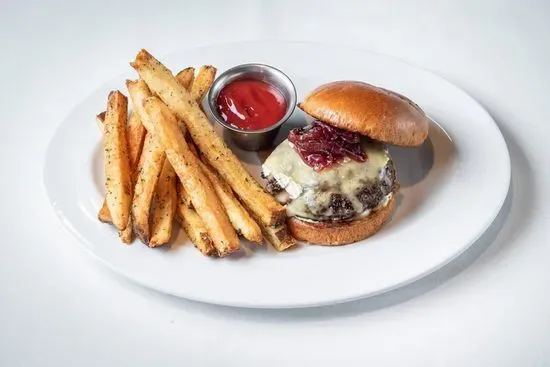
{"x":463,"y":164}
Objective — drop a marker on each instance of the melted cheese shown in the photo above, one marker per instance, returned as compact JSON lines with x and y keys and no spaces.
{"x":310,"y":190}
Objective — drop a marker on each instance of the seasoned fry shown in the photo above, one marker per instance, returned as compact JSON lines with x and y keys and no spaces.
{"x":239,"y":217}
{"x":186,"y":77}
{"x":183,"y":197}
{"x":148,"y":171}
{"x":278,"y":236}
{"x":150,"y":165}
{"x":192,"y":223}
{"x":161,"y":81}
{"x":127,"y":234}
{"x":118,"y":181}
{"x":165,"y":206}
{"x":103,"y":215}
{"x":164,"y":211}
{"x":135,"y":133}
{"x":136,"y":136}
{"x":187,"y":167}
{"x":194,"y":227}
{"x":139,"y":91}
{"x":202,"y":83}
{"x":189,"y":218}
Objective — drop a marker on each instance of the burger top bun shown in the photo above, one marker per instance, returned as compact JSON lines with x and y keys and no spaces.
{"x":378,"y":113}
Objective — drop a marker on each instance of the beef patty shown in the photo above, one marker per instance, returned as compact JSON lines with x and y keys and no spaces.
{"x":340,"y":207}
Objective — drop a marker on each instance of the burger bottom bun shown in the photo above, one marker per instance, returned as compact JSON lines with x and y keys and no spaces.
{"x":335,"y":234}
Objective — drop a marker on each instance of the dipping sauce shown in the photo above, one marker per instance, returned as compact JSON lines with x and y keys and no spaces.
{"x":250,"y":104}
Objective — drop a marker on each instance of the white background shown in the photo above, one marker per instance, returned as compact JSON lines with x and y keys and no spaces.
{"x":58,"y":307}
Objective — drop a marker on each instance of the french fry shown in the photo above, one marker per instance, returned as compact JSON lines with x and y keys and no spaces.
{"x":187,"y":167}
{"x":161,"y":226}
{"x":164,"y":213}
{"x":202,"y":83}
{"x":239,"y":217}
{"x":148,"y":171}
{"x":127,"y":234}
{"x":135,"y":133}
{"x":118,"y":181}
{"x":279,"y":236}
{"x":183,"y":197}
{"x":136,"y":136}
{"x":161,"y":81}
{"x":139,"y":91}
{"x":192,"y":223}
{"x":186,"y":77}
{"x":165,"y":206}
{"x":150,"y":165}
{"x":103,"y":215}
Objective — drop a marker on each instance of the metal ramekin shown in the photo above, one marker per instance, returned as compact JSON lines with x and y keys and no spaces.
{"x":253,"y":139}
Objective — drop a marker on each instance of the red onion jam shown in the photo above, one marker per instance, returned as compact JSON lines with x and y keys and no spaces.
{"x":321,"y":145}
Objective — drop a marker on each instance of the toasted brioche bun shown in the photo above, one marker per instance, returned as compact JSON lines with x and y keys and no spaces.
{"x":375,"y":112}
{"x":334,"y":234}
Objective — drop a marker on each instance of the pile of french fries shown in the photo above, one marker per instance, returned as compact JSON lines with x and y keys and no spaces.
{"x":164,"y":163}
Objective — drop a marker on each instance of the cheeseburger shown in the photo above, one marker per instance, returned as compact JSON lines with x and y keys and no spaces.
{"x":335,"y":176}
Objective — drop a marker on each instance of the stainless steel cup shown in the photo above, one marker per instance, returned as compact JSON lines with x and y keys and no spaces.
{"x":253,"y":139}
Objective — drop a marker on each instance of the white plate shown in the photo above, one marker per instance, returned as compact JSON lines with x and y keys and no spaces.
{"x":452,"y":189}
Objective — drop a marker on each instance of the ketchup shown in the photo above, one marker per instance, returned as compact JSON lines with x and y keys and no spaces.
{"x":250,"y":104}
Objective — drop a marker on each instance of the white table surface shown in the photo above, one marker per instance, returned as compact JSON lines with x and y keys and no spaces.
{"x":59,"y":307}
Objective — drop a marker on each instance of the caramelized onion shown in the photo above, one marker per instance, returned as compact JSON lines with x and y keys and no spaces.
{"x":321,"y":145}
